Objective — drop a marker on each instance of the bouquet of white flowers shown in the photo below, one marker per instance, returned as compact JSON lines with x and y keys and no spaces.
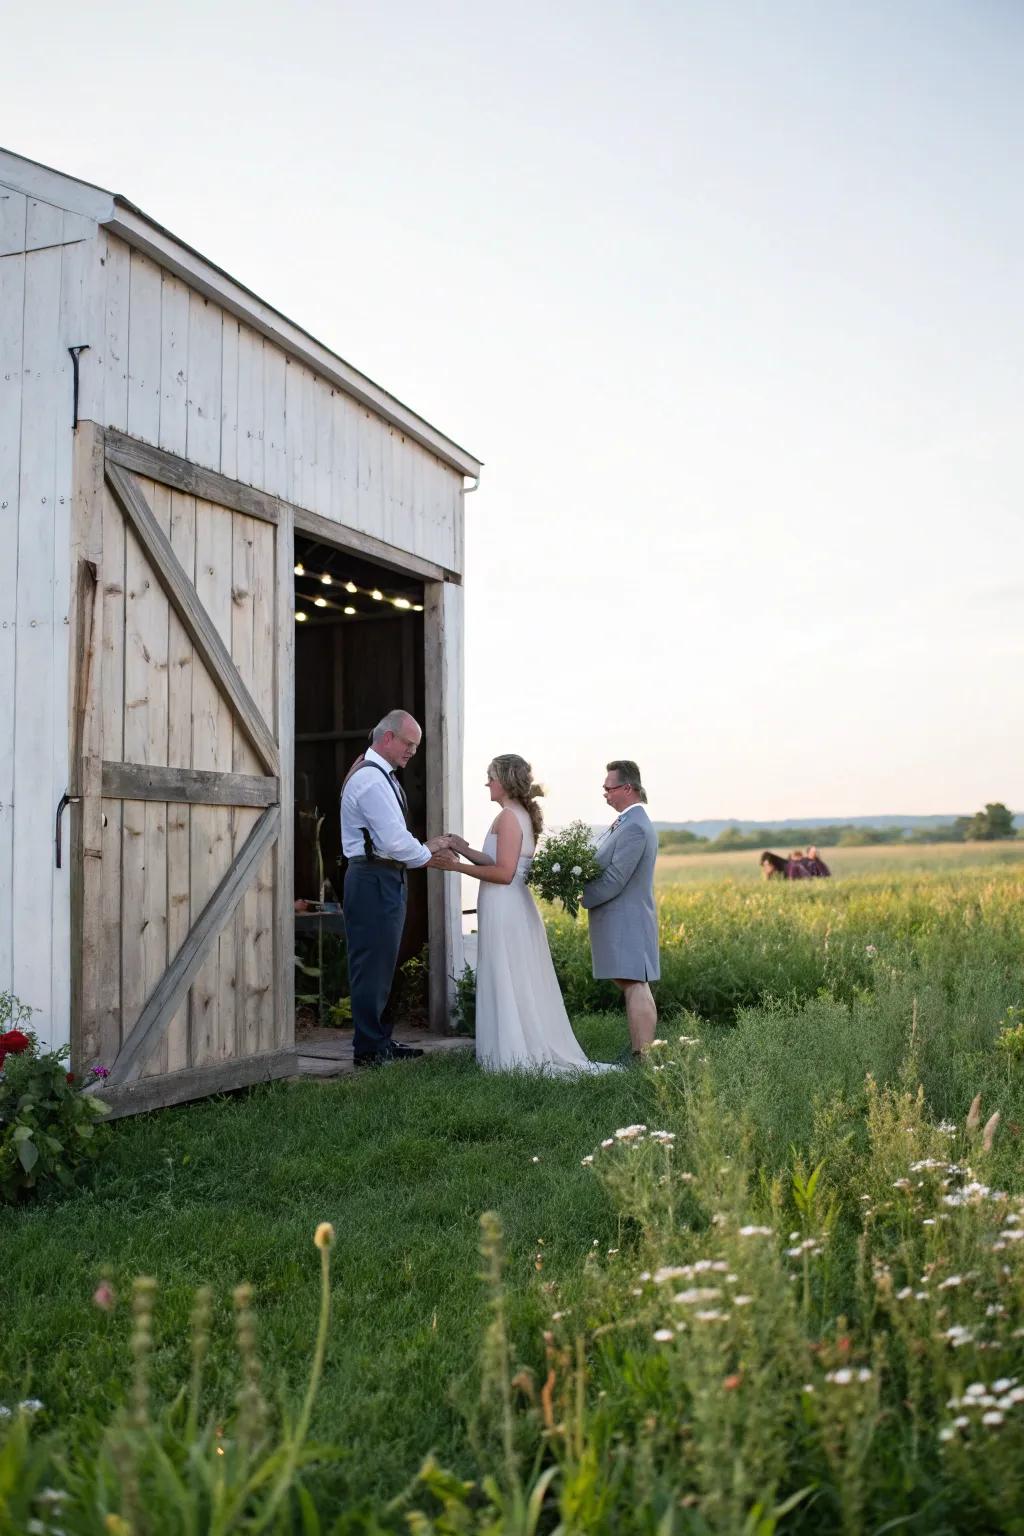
{"x":563,"y":864}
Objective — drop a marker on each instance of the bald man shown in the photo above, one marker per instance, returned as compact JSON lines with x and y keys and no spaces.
{"x":379,"y":847}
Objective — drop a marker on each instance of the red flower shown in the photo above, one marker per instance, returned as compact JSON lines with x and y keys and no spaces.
{"x":14,"y":1042}
{"x":69,"y":1077}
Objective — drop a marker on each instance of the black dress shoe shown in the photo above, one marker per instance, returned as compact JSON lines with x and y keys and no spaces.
{"x":400,"y":1052}
{"x":372,"y":1059}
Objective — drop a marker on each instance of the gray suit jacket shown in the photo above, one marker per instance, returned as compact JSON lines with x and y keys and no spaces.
{"x":623,"y":920}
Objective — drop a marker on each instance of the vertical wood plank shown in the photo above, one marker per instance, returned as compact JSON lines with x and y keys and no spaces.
{"x":229,"y":398}
{"x":210,"y":830}
{"x":293,"y":399}
{"x":242,"y":936}
{"x":117,"y":267}
{"x":434,"y":745}
{"x":179,"y":755}
{"x":144,"y":322}
{"x":112,"y":577}
{"x":250,"y":407}
{"x":283,"y":926}
{"x":453,"y":725}
{"x":340,"y":468}
{"x":275,"y":468}
{"x":84,"y":769}
{"x":33,"y":859}
{"x":144,"y":868}
{"x":75,"y":280}
{"x":324,"y":448}
{"x":12,"y":310}
{"x":260,"y":995}
{"x":205,"y":361}
{"x":174,"y":363}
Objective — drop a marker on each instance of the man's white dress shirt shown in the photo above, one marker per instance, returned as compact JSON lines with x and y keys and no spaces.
{"x":372,"y":800}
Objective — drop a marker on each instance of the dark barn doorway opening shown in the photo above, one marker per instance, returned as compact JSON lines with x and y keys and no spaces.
{"x":359,"y":651}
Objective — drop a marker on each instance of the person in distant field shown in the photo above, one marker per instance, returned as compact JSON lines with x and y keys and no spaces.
{"x":379,"y":847}
{"x":799,"y":866}
{"x":620,"y":904}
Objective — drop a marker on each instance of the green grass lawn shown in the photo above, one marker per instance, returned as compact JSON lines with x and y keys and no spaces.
{"x":802,"y":992}
{"x":402,"y":1162}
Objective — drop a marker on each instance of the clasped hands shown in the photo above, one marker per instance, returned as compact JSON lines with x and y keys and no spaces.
{"x":446,"y":850}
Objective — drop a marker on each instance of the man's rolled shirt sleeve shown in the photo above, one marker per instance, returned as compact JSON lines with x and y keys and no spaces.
{"x":626,"y":855}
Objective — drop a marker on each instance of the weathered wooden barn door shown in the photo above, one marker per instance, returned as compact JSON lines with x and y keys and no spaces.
{"x":182,"y":841}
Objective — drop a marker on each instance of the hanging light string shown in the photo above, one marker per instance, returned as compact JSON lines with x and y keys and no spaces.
{"x":404,"y":603}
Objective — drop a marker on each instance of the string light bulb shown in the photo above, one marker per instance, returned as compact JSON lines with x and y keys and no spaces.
{"x":300,"y":569}
{"x":350,"y":586}
{"x":377,"y":595}
{"x":350,"y":611}
{"x":401,"y":602}
{"x":300,"y":618}
{"x":326,"y":578}
{"x":417,"y":607}
{"x":319,"y":602}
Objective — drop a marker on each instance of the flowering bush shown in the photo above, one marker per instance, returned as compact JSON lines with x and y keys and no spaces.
{"x":563,"y":864}
{"x":48,"y":1127}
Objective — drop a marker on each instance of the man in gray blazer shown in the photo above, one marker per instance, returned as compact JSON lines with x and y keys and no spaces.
{"x":620,"y":902}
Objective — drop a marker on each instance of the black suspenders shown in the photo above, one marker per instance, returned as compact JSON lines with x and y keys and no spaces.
{"x":399,"y":794}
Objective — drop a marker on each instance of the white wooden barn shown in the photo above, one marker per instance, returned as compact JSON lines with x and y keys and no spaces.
{"x":225,"y":554}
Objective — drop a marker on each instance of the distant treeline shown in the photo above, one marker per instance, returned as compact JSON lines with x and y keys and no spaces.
{"x":994,"y":822}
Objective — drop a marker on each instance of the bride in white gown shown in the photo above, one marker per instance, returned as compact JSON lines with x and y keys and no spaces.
{"x":521,"y":1020}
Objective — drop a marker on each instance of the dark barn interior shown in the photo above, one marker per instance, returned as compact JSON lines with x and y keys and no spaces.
{"x":358,"y":653}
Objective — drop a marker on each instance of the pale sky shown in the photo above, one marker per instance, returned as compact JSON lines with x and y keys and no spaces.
{"x":728,"y":297}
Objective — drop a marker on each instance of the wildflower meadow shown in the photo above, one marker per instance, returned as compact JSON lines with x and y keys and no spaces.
{"x":770,"y":1280}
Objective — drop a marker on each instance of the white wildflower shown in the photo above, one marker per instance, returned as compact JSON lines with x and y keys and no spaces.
{"x":993,"y":1416}
{"x":556,"y":869}
{"x":842,"y":1377}
{"x":31,"y":1405}
{"x":664,"y":1335}
{"x":576,"y":871}
{"x":709,"y":1317}
{"x":669,"y":1272}
{"x":695,"y":1294}
{"x":609,"y":1141}
{"x":757,"y":1232}
{"x":742,"y":1301}
{"x":905,"y":1294}
{"x":585,"y":1162}
{"x":947,"y":1433}
{"x":958,"y":1335}
{"x":630,"y":1132}
{"x":950,"y":1282}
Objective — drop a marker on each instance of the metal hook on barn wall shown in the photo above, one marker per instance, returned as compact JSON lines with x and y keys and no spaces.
{"x":76,"y":353}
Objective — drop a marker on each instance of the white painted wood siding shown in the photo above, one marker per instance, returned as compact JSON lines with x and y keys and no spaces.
{"x":49,"y":277}
{"x":175,"y":370}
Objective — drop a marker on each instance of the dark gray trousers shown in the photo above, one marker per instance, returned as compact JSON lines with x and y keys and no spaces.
{"x":374,"y":907}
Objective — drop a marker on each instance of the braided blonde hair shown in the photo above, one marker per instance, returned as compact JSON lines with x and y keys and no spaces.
{"x":515,"y":776}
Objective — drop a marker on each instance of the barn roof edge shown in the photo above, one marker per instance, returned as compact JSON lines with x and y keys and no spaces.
{"x":113,"y":211}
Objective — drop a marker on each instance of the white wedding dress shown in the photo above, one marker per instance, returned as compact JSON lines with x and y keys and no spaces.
{"x":521,"y":1020}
